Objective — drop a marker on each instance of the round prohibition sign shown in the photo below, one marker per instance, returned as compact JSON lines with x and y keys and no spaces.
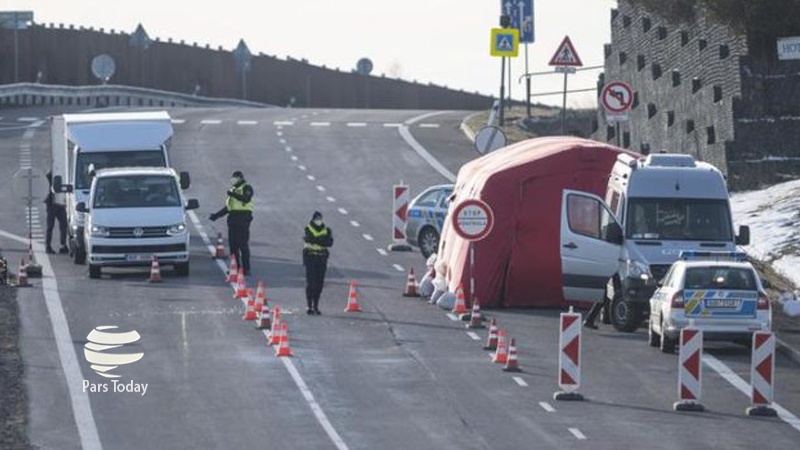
{"x":616,"y":97}
{"x":473,"y":219}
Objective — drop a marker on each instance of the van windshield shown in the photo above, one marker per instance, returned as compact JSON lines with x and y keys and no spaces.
{"x":136,"y":191}
{"x":104,"y":160}
{"x":678,"y":219}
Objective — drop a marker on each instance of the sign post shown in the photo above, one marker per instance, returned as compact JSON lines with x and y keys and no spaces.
{"x":504,"y":43}
{"x":565,"y":60}
{"x":30,"y":185}
{"x":521,"y":15}
{"x":616,"y":98}
{"x":473,"y":220}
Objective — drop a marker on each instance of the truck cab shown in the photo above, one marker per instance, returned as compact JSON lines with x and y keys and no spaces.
{"x":133,"y":214}
{"x":663,"y":204}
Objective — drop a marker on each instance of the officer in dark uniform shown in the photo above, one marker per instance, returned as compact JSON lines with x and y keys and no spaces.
{"x":239,"y":208}
{"x":318,"y":237}
{"x":56,"y":210}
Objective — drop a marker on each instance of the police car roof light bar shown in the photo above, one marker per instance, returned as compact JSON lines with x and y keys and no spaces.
{"x":693,"y":255}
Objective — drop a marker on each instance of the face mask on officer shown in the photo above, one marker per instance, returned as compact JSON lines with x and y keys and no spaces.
{"x":234,"y":180}
{"x":318,"y":222}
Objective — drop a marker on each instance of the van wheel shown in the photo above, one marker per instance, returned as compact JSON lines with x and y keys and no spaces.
{"x":94,"y":271}
{"x":182,"y":269}
{"x":428,"y":241}
{"x":625,"y":316}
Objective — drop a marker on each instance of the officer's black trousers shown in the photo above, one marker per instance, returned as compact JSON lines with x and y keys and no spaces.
{"x":56,"y":212}
{"x":316,"y":266}
{"x":239,"y":242}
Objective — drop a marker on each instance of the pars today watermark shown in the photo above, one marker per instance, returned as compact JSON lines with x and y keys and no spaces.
{"x":105,"y":351}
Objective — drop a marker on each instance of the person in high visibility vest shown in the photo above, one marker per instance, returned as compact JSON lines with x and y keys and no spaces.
{"x":239,"y":209}
{"x":317,"y":239}
{"x":56,"y":210}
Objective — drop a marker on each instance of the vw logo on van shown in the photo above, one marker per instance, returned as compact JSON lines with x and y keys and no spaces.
{"x":138,"y":232}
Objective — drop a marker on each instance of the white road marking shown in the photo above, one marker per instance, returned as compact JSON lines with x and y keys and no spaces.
{"x":356,"y":124}
{"x":301,"y":167}
{"x":279,"y":133}
{"x":321,"y":188}
{"x":382,"y":251}
{"x":27,"y":119}
{"x":453,"y":317}
{"x":731,"y":377}
{"x":310,"y":177}
{"x":520,"y":382}
{"x":294,"y":158}
{"x":368,"y":237}
{"x":473,"y":335}
{"x":320,"y":124}
{"x":547,"y":407}
{"x":178,"y":121}
{"x":393,"y":125}
{"x":319,"y":413}
{"x":342,"y":211}
{"x":283,"y":123}
{"x":247,"y":122}
{"x":288,"y":149}
{"x":398,"y":268}
{"x":211,"y":122}
{"x":355,"y":224}
{"x":429,"y":125}
{"x":577,"y":433}
{"x":282,"y":141}
{"x":81,"y":407}
{"x":330,"y":199}
{"x":420,"y":149}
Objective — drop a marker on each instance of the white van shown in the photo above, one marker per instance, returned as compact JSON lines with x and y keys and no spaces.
{"x":133,"y":214}
{"x":659,"y":205}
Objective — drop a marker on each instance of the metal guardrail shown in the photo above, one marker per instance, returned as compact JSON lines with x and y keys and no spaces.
{"x":36,"y":94}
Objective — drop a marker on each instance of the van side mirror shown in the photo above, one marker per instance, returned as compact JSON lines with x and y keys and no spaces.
{"x":614,"y":233}
{"x":81,"y":207}
{"x":743,"y":238}
{"x":185,"y":180}
{"x":192,"y":203}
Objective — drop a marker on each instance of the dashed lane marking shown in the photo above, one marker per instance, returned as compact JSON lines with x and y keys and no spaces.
{"x":355,"y":224}
{"x":330,"y":199}
{"x":310,"y":177}
{"x":178,"y":121}
{"x":577,"y":433}
{"x":295,"y":158}
{"x":429,"y":125}
{"x":247,"y":122}
{"x":282,"y":141}
{"x":28,"y":119}
{"x":356,"y":124}
{"x":303,"y":168}
{"x":288,"y":149}
{"x":473,"y":335}
{"x":368,"y":237}
{"x":520,"y":382}
{"x":342,"y":211}
{"x":547,"y":407}
{"x":382,"y":251}
{"x":283,"y":123}
{"x":398,"y":267}
{"x":320,"y":124}
{"x":392,"y":125}
{"x":452,"y":317}
{"x":210,"y":122}
{"x":279,"y":133}
{"x":321,"y":188}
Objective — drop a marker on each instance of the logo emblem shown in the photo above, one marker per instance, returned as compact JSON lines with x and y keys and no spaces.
{"x":138,"y":232}
{"x":102,"y":350}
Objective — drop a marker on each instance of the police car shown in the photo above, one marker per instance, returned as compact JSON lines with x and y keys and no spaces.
{"x":719,"y":292}
{"x":425,"y":218}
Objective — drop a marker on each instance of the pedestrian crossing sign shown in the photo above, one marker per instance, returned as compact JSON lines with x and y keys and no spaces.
{"x":566,"y":55}
{"x":505,"y":42}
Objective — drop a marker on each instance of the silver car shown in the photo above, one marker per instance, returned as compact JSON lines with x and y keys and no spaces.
{"x":425,"y":218}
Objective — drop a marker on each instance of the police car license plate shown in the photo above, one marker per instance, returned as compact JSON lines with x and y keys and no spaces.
{"x":137,"y":257}
{"x":722,"y":303}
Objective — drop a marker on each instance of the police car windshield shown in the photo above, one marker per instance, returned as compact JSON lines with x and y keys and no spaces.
{"x":104,"y":160}
{"x":678,"y":219}
{"x":136,"y":192}
{"x":719,"y":277}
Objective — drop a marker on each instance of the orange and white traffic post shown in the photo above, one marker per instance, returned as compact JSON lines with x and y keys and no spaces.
{"x":22,"y":274}
{"x":250,"y":311}
{"x":233,"y":271}
{"x":569,"y":356}
{"x":475,"y":319}
{"x":690,"y":370}
{"x":283,"y":348}
{"x":274,"y":332}
{"x":762,"y":375}
{"x":241,"y":285}
{"x":512,"y":363}
{"x":352,"y":299}
{"x":461,"y":304}
{"x":411,"y":285}
{"x":219,"y":249}
{"x":155,"y":270}
{"x":261,"y":299}
{"x":501,"y":354}
{"x":264,"y":320}
{"x":491,"y":341}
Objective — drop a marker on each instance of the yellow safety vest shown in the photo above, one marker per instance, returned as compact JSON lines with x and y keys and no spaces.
{"x":315,"y":248}
{"x":234,"y":204}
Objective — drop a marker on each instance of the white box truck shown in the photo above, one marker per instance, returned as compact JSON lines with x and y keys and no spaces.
{"x":82,"y":143}
{"x":655,"y":208}
{"x":133,"y":214}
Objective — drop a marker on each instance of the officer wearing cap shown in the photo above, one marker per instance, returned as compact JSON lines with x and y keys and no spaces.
{"x":239,"y":209}
{"x":318,"y":237}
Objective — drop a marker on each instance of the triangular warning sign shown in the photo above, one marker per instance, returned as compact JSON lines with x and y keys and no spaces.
{"x":504,"y":45}
{"x":566,"y":55}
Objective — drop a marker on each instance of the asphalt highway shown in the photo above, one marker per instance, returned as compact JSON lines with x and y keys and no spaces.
{"x":399,"y":375}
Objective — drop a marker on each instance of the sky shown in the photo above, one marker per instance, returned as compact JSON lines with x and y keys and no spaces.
{"x":444,"y":42}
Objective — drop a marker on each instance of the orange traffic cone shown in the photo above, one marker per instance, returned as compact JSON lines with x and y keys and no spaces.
{"x":501,"y":354}
{"x":241,"y":285}
{"x":274,"y":332}
{"x":260,"y":298}
{"x":283,"y":347}
{"x":219,"y":250}
{"x":461,"y":305}
{"x":250,"y":311}
{"x":512,"y":365}
{"x":155,"y":271}
{"x":475,"y":316}
{"x":264,"y":321}
{"x":233,"y":276}
{"x":411,"y":285}
{"x":491,"y":343}
{"x":352,"y":299}
{"x":22,"y":274}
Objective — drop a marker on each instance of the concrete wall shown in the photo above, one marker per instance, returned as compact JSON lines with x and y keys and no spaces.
{"x":63,"y":55}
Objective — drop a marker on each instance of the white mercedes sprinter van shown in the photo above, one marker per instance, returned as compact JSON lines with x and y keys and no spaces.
{"x":133,"y":214}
